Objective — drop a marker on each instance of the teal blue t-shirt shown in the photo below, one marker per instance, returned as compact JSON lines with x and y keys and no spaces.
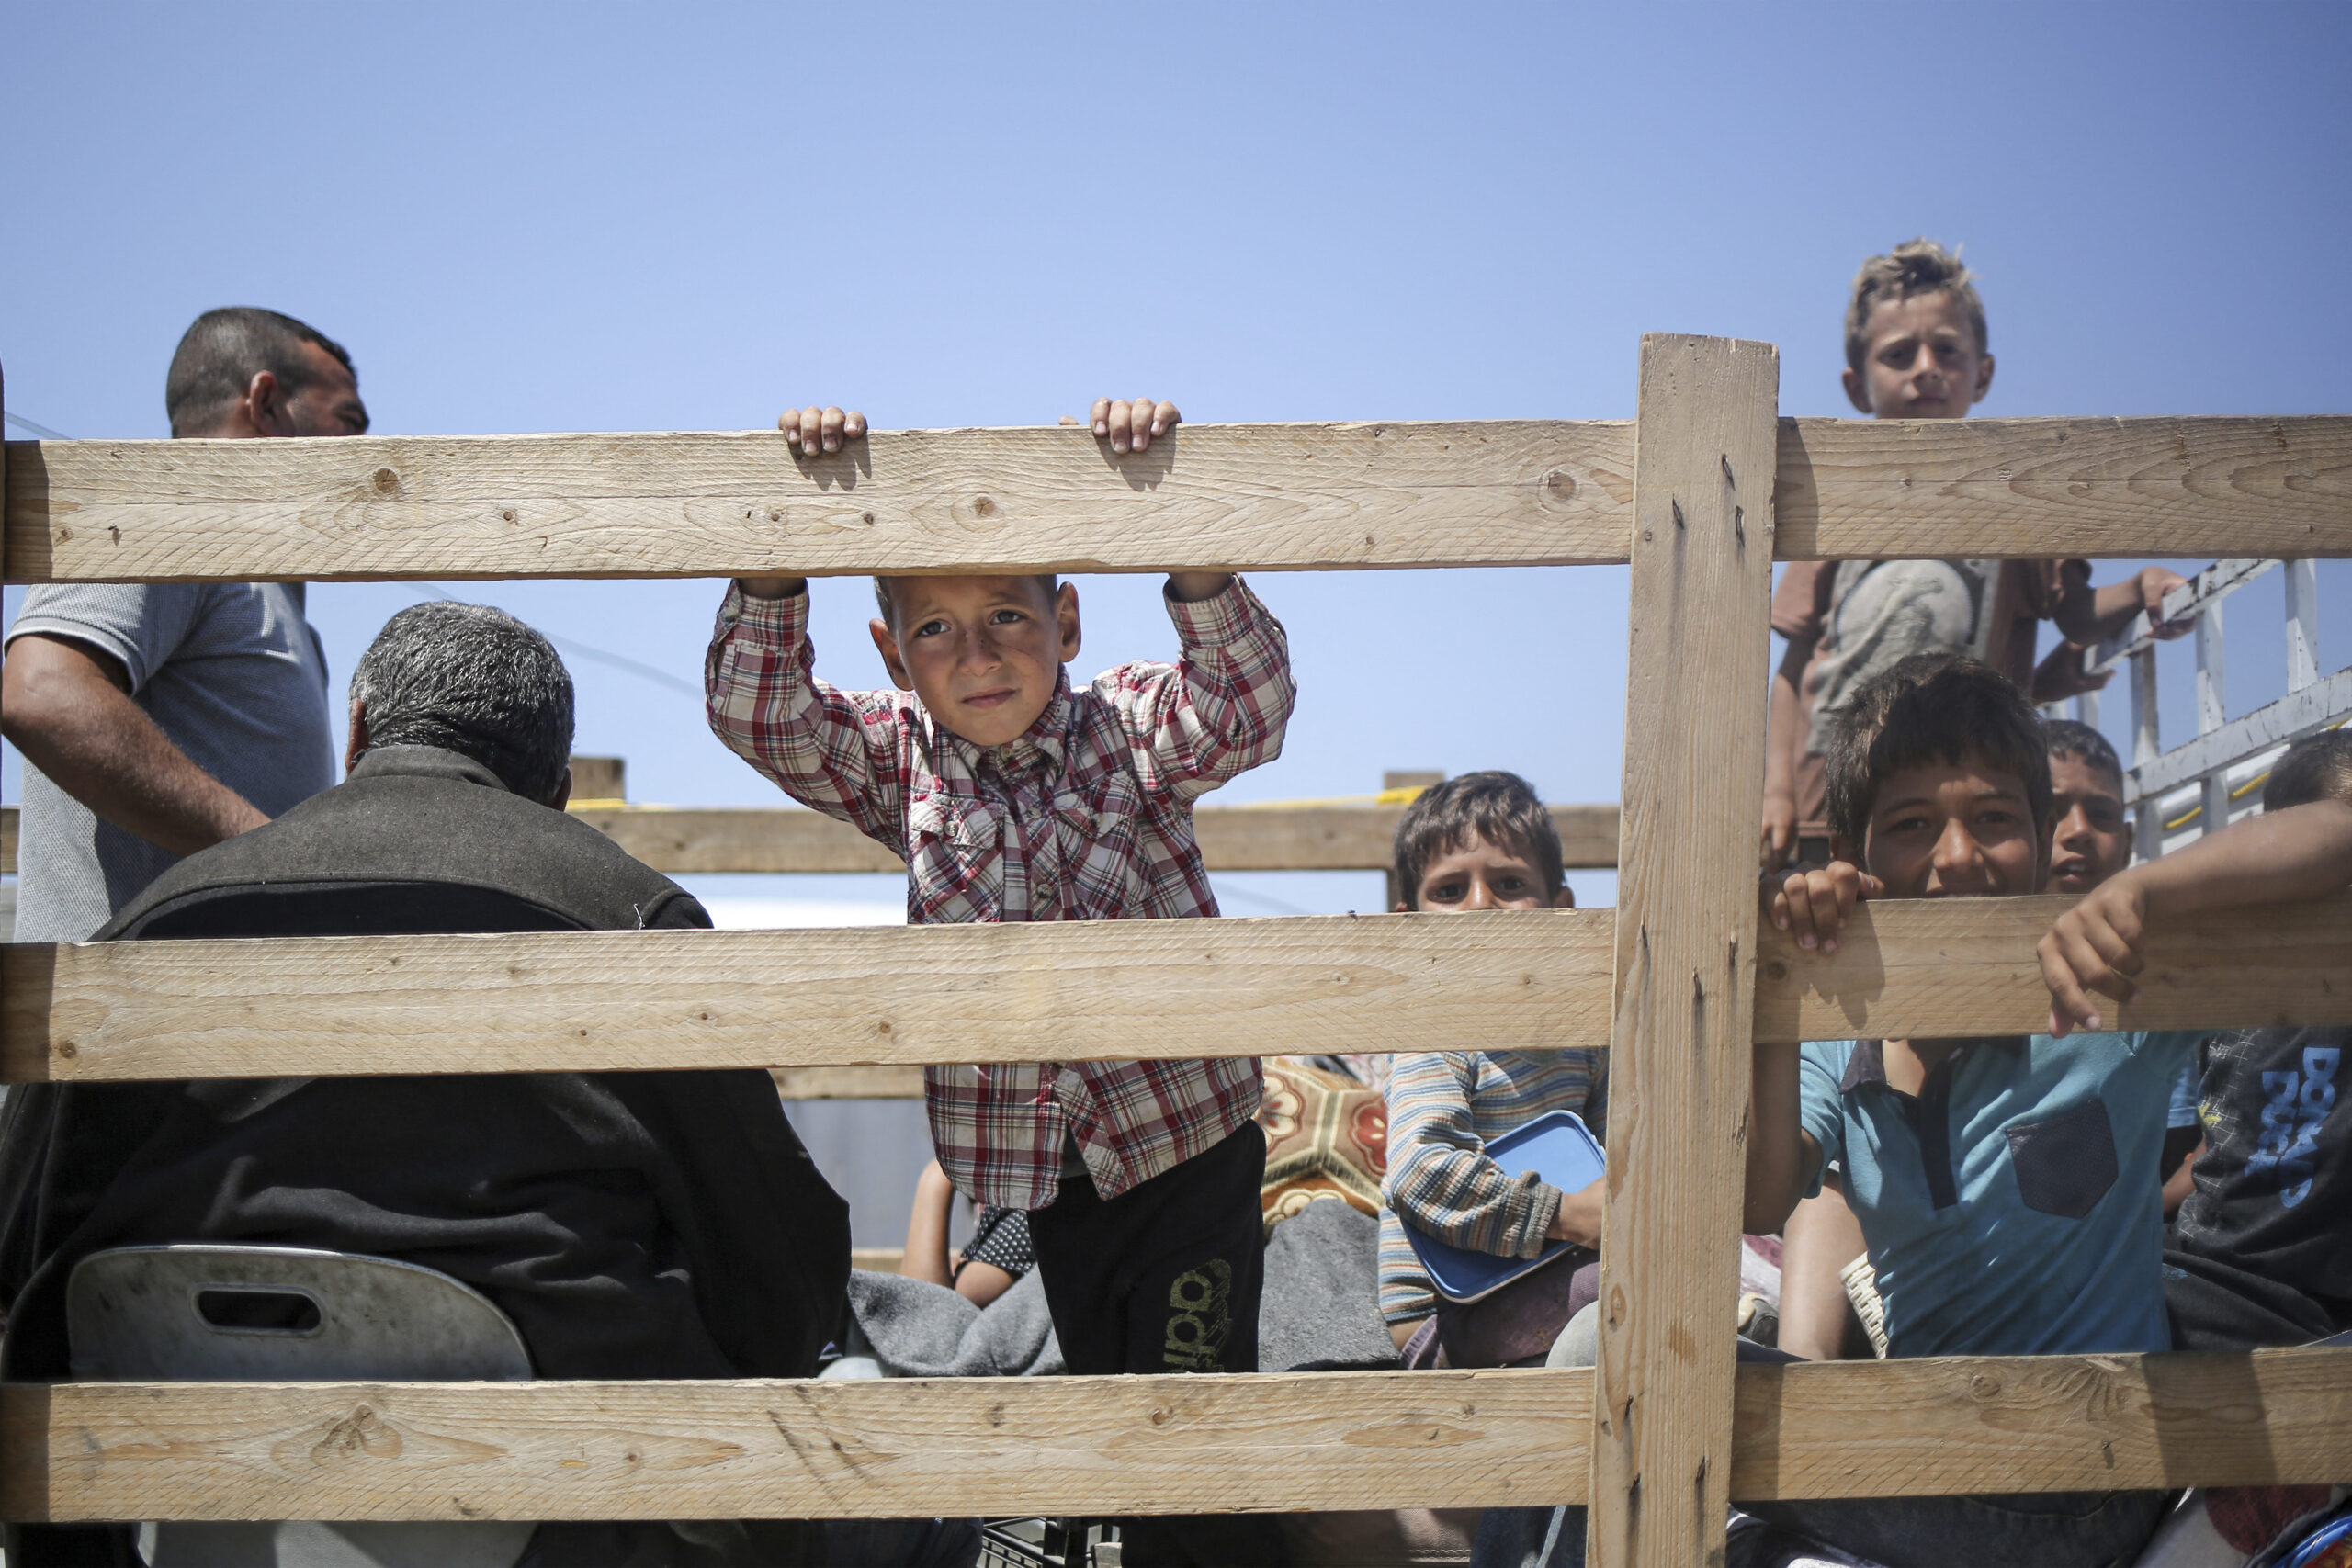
{"x":2012,"y":1208}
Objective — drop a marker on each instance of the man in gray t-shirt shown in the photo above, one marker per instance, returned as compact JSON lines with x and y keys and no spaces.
{"x":156,"y":720}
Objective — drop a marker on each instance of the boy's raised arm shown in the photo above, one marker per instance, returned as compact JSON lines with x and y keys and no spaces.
{"x":1222,"y":709}
{"x":2304,"y":851}
{"x":832,"y":749}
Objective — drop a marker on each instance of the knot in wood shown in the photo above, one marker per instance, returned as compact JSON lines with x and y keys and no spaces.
{"x":387,"y":480}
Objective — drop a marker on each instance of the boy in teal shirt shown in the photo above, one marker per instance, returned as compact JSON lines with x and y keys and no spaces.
{"x":2001,"y":1183}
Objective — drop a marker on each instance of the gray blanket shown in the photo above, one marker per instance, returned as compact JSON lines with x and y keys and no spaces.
{"x":1321,"y":1311}
{"x":921,"y":1330}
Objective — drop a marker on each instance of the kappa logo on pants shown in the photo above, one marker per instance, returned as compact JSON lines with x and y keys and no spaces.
{"x":1200,"y":1318}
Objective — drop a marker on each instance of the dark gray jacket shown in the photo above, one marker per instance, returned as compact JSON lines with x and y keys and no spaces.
{"x":659,"y":1224}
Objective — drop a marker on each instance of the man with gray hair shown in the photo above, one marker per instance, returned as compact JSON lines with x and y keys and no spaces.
{"x":644,"y":1224}
{"x":158,"y":718}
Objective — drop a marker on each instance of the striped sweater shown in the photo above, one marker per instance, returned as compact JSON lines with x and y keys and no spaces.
{"x":1443,"y":1108}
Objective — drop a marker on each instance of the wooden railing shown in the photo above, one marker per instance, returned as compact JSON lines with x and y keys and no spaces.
{"x":1679,"y":979}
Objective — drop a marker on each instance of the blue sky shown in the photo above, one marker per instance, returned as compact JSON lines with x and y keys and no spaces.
{"x":530,"y":217}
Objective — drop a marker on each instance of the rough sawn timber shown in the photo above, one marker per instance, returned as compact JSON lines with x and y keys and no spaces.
{"x":2039,"y":488}
{"x":683,"y":840}
{"x":1266,"y":497}
{"x":1684,"y":989}
{"x":624,"y":1001}
{"x":1960,"y":967}
{"x":812,"y":1003}
{"x":996,"y":1446}
{"x":743,"y":504}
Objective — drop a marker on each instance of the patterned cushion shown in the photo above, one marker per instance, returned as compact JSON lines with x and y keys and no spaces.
{"x":1327,"y":1137}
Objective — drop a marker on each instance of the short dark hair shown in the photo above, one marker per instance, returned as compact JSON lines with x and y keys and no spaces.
{"x":1498,"y":807}
{"x":2317,"y":767}
{"x":1931,"y":709}
{"x":224,"y":350}
{"x":2078,"y":741}
{"x":475,"y":680}
{"x":1051,"y":584}
{"x":1915,"y":266}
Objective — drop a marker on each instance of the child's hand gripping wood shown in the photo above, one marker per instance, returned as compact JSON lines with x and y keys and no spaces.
{"x":2100,"y":944}
{"x":1815,"y":904}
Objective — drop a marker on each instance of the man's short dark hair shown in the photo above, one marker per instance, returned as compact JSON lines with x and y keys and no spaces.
{"x":2073,"y":739}
{"x":1046,"y":580}
{"x":219,"y":355}
{"x":1498,"y":807}
{"x":1930,"y":710}
{"x":472,"y":680}
{"x":2317,"y":767}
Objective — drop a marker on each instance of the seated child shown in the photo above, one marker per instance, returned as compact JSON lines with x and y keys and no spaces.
{"x":2089,"y":841}
{"x":1482,"y":842}
{"x":1993,"y":1177}
{"x":2262,"y":1251}
{"x":1014,"y":796}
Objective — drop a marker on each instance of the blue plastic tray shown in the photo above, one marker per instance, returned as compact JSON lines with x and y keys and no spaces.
{"x":1558,"y":1147}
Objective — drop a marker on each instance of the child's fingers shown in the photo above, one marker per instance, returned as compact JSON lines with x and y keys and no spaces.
{"x":828,"y":427}
{"x":1831,"y":897}
{"x":1165,"y":417}
{"x":1140,"y":416}
{"x":811,"y":432}
{"x":1872,"y":887}
{"x":2068,"y":1005}
{"x":1101,"y":418}
{"x":1122,"y":427}
{"x":852,"y":426}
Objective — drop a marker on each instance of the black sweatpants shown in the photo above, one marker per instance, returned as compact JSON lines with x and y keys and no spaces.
{"x":1165,"y":1277}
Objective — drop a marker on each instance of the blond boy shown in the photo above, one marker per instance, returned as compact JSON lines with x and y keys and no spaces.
{"x":1915,"y":348}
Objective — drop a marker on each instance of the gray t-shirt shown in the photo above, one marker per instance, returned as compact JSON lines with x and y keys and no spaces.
{"x":229,"y":671}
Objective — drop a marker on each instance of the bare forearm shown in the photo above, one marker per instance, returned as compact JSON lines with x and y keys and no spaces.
{"x":1780,"y":1152}
{"x":926,"y":1256}
{"x":2304,"y":851}
{"x":1822,"y":1237}
{"x":1785,"y":742}
{"x":99,"y":746}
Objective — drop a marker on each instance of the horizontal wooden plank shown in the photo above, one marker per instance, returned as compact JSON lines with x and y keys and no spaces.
{"x":2035,"y":488}
{"x":783,"y":1450}
{"x":1270,"y":497}
{"x":877,"y":1259}
{"x":2042,"y":1423}
{"x":715,"y":504}
{"x":622,"y":1000}
{"x":684,"y":840}
{"x":849,"y":1083}
{"x":1273,"y":1442}
{"x":1967,"y":966}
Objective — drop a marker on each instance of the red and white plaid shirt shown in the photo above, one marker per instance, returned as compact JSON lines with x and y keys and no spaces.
{"x":1087,"y":816}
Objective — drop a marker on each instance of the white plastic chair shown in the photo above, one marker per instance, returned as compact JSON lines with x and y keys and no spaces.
{"x":207,"y":1313}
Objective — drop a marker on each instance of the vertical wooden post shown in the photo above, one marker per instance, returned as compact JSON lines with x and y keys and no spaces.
{"x":1680,"y":1042}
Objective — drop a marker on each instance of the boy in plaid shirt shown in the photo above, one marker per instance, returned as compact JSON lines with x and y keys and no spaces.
{"x":1013,"y":795}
